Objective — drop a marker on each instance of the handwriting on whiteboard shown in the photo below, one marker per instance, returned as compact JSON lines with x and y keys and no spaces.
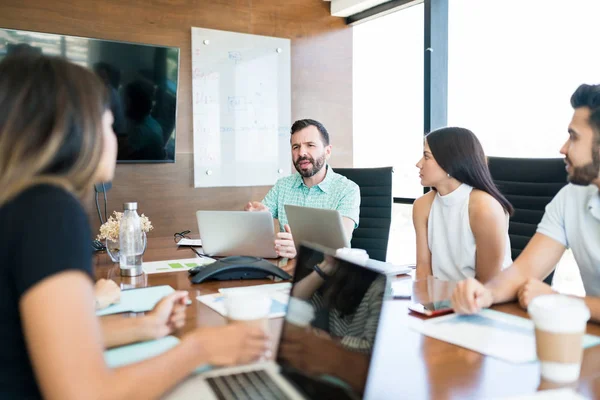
{"x":241,"y":107}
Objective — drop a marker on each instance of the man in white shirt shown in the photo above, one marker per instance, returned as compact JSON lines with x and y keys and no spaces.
{"x":571,"y":220}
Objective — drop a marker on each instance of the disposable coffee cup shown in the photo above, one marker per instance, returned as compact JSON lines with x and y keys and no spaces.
{"x":248,"y":306}
{"x":299,"y":312}
{"x":560,"y":323}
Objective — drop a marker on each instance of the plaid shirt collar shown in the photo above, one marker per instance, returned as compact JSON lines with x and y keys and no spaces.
{"x":325,"y":184}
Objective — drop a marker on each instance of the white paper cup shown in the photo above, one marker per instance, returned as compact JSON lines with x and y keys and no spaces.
{"x":560,"y":323}
{"x":247,"y":305}
{"x":300,"y":312}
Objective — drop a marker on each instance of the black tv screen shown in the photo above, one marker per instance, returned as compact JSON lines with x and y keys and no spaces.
{"x":141,"y":79}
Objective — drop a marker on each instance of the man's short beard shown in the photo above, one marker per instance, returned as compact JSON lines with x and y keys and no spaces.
{"x":588,"y":173}
{"x":317,"y":166}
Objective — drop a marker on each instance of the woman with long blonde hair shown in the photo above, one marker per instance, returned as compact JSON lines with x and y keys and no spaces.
{"x":56,"y":141}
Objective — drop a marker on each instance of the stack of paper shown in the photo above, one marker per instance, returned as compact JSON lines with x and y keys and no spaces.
{"x":493,"y":333}
{"x":279,"y":293}
{"x":190,"y":242}
{"x":389,"y":268}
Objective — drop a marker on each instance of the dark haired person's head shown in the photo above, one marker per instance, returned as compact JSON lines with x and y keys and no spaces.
{"x":55,"y":126}
{"x":582,"y":149}
{"x":457,"y":153}
{"x":139,"y":98}
{"x":22,"y":49}
{"x":310,"y":146}
{"x":109,"y":74}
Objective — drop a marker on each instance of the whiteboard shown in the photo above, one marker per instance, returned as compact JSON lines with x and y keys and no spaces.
{"x":241,"y":108}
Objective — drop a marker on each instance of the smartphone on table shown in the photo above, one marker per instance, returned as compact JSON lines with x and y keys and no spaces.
{"x":432,"y":309}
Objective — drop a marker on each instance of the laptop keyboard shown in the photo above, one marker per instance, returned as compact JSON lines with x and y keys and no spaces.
{"x":246,"y":386}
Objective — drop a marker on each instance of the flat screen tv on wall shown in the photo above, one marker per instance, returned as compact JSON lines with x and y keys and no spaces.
{"x":141,"y":79}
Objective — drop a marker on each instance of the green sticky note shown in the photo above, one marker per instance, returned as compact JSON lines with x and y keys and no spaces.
{"x":191,"y":265}
{"x":176,"y":265}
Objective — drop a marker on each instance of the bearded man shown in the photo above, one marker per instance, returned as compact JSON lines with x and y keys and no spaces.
{"x":571,"y":220}
{"x":314,"y":185}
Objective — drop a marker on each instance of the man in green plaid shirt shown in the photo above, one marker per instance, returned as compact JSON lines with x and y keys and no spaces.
{"x":315,"y":185}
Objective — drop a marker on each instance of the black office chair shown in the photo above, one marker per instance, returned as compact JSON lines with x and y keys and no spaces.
{"x":373,"y":231}
{"x":529,"y":184}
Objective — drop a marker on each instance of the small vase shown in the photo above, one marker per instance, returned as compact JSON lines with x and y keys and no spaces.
{"x":112,"y":248}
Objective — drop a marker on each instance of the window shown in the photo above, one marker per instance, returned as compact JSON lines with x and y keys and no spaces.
{"x":513,"y":66}
{"x":388,"y":96}
{"x":402,"y":245}
{"x":73,"y":48}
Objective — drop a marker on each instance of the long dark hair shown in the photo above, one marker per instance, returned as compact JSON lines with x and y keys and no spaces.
{"x":347,"y":287}
{"x":344,"y":290}
{"x":458,"y":152}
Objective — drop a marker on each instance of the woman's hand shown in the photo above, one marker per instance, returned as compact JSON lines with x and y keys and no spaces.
{"x":107,"y":292}
{"x":235,"y":343}
{"x":167,"y":316}
{"x":329,"y":265}
{"x":532,"y":289}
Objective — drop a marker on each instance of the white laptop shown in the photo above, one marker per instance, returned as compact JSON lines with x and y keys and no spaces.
{"x":325,"y":228}
{"x":309,"y":373}
{"x":237,"y":233}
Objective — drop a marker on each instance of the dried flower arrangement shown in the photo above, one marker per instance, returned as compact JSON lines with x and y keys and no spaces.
{"x":110,"y":229}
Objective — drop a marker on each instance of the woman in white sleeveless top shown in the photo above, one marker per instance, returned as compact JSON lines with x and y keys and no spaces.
{"x":462,"y":224}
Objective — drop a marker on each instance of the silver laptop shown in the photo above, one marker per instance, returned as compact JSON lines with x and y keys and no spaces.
{"x":310,"y":372}
{"x":316,"y":225}
{"x":237,"y":233}
{"x":325,"y":228}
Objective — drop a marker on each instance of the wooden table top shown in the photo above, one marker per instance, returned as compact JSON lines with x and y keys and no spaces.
{"x":411,"y":365}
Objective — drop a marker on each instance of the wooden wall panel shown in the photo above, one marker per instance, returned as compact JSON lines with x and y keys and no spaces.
{"x":321,"y":82}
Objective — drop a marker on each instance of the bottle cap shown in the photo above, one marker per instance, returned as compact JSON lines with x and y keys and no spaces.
{"x":130,"y":206}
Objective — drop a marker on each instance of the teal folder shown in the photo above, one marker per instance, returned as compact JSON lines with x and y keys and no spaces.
{"x":124,"y":355}
{"x":137,"y":300}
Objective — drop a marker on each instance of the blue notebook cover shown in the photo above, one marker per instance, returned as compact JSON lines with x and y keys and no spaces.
{"x":136,"y":352}
{"x":125,"y":355}
{"x":137,"y":300}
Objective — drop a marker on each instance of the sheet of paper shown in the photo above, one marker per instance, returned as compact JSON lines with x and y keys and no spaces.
{"x":137,"y":300}
{"x":555,"y":394}
{"x":157,"y":267}
{"x":283,"y":287}
{"x":402,"y":288}
{"x":389,"y":268}
{"x":279,"y":302}
{"x":496,"y":334}
{"x":190,"y":242}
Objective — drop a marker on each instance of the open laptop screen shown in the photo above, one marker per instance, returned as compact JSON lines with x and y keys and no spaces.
{"x":330,"y":328}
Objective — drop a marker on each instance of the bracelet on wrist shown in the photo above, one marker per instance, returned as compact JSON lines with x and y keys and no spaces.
{"x":320,"y":272}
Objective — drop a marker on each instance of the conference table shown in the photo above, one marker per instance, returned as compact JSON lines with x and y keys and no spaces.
{"x":406,"y":364}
